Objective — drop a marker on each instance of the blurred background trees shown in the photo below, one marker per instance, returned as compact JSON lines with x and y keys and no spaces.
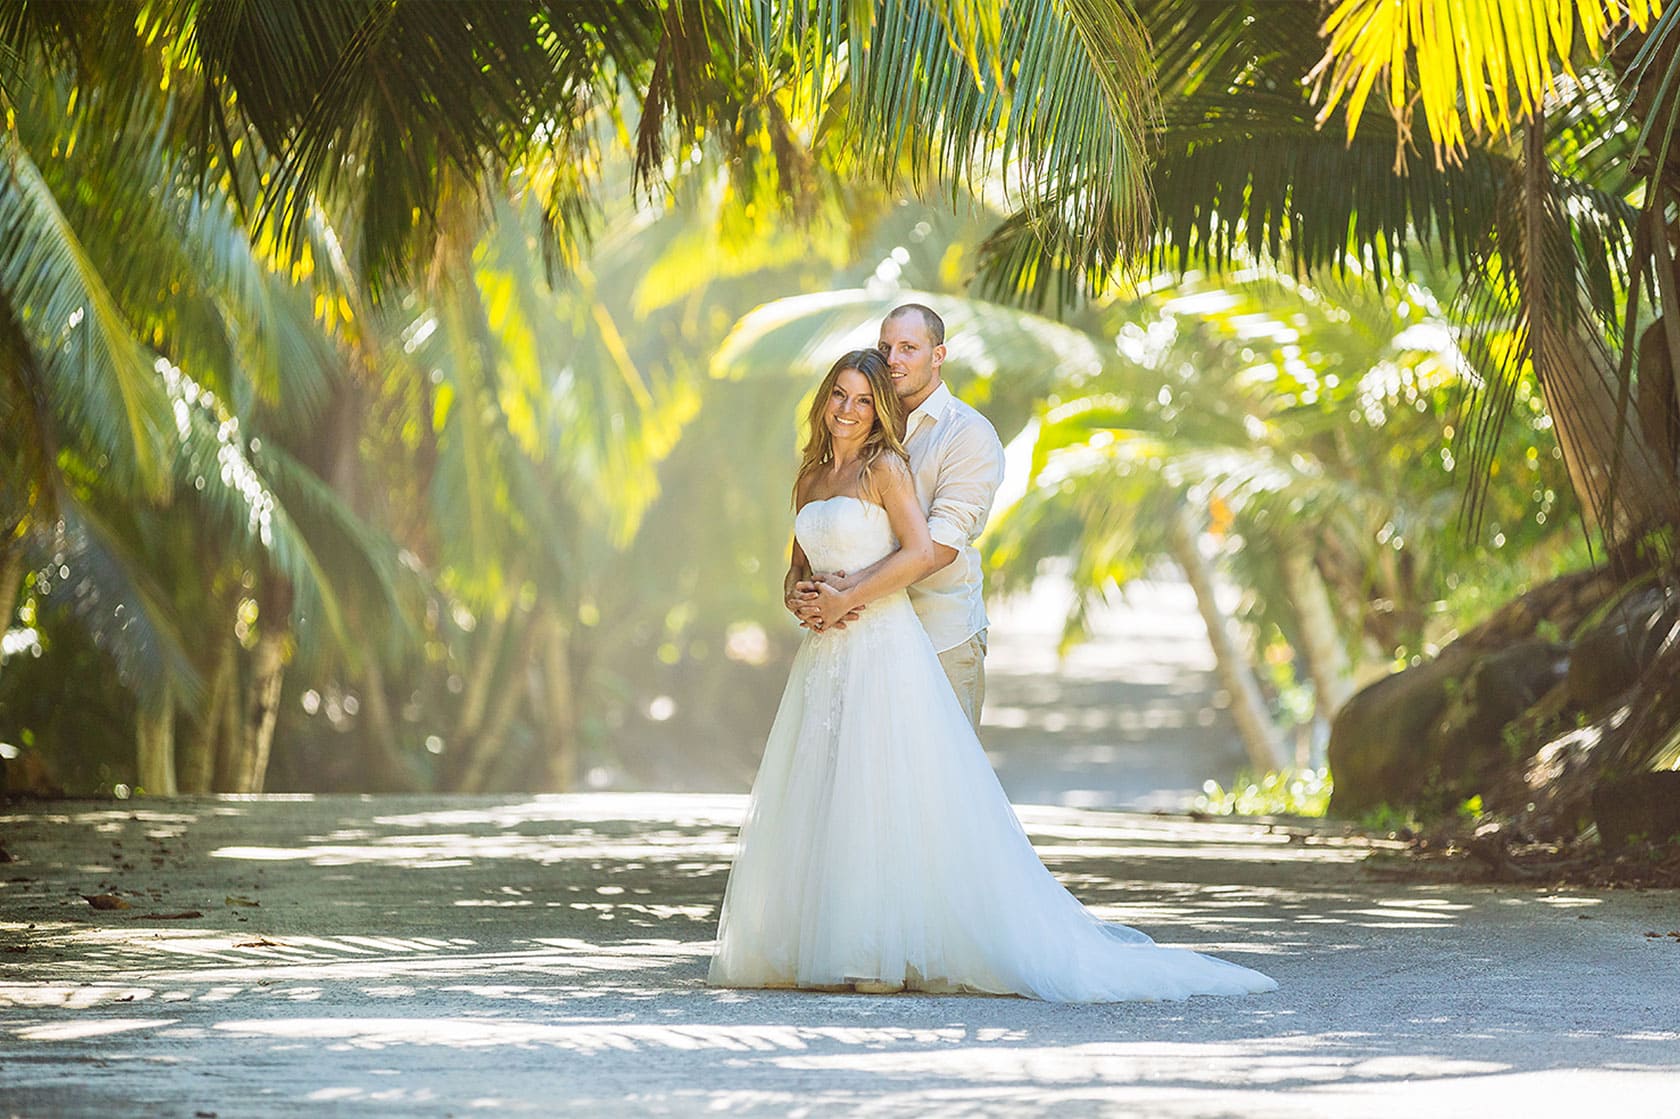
{"x":402,"y":396}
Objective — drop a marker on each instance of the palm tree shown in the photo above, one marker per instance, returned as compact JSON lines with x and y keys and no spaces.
{"x":151,"y":344}
{"x":1245,"y":164}
{"x":1289,"y":413}
{"x":384,"y":105}
{"x":401,"y":120}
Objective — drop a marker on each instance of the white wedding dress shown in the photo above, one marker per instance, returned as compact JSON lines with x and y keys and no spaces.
{"x":878,"y":845}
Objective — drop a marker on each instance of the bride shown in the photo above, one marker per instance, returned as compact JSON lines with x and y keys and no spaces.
{"x":879,"y":852}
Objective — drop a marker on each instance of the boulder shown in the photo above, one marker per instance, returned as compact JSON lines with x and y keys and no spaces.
{"x":1376,"y":737}
{"x":1645,"y":806}
{"x":1468,"y":740}
{"x":1614,"y":651}
{"x":1425,"y":736}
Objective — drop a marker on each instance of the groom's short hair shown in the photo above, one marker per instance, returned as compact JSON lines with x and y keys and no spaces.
{"x":930,"y":319}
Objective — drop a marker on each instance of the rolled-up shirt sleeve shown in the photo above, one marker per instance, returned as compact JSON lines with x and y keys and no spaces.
{"x":971,"y":471}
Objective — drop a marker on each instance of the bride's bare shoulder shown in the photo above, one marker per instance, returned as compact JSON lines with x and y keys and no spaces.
{"x":892,"y":471}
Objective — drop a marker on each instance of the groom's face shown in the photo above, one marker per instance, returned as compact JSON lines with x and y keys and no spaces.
{"x":912,"y":358}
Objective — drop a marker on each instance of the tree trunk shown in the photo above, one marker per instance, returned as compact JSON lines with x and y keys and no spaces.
{"x":1591,"y":414}
{"x":228,"y":736}
{"x":261,"y":706}
{"x":476,"y":700}
{"x":385,"y":771}
{"x":261,"y":709}
{"x":198,"y":753}
{"x":560,"y":702}
{"x":155,"y":745}
{"x":1248,"y":708}
{"x":11,"y":580}
{"x":1321,"y":638}
{"x":486,"y":753}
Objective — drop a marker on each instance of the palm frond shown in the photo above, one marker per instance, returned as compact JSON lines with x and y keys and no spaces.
{"x":1476,"y":69}
{"x":386,"y":103}
{"x":215,"y":462}
{"x":1544,"y":302}
{"x":113,"y":597}
{"x":98,"y":376}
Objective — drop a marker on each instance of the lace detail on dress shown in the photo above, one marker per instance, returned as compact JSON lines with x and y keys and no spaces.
{"x":843,"y":533}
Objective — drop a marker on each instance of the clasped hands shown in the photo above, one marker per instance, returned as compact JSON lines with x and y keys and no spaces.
{"x":823,"y":601}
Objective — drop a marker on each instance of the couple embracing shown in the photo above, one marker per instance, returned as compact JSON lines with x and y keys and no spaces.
{"x":879,"y":853}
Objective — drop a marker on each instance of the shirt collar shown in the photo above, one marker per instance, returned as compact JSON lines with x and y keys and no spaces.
{"x":934,"y":406}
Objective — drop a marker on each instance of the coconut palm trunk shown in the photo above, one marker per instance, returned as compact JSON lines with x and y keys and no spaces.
{"x":487,"y":754}
{"x":1321,"y":640}
{"x":261,"y":702}
{"x":382,"y":754}
{"x":1248,"y":708}
{"x":196,"y":760}
{"x":561,"y":707}
{"x":154,"y":741}
{"x":11,"y":579}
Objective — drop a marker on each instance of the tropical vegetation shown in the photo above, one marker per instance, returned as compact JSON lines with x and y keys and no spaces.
{"x":392,"y":395}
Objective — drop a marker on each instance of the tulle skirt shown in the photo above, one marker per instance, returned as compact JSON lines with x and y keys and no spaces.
{"x":879,"y":848}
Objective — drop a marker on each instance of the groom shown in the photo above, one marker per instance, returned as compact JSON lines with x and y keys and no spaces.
{"x":957,"y":462}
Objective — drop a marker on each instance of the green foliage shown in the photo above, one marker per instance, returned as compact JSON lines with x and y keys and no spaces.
{"x":1286,"y":410}
{"x":1286,"y":792}
{"x":1385,"y":819}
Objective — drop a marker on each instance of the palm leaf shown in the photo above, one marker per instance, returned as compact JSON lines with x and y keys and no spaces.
{"x":98,"y":377}
{"x":114,"y":598}
{"x":1477,"y":68}
{"x":1001,"y":359}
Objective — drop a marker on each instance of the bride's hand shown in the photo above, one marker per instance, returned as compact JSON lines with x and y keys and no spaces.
{"x":832,"y":607}
{"x":822,"y":598}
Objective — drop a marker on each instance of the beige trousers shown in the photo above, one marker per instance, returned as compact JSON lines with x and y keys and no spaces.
{"x":965,"y":667}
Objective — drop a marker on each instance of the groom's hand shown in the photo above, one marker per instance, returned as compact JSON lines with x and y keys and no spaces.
{"x":797,"y":595}
{"x":831,"y":608}
{"x":841,"y":581}
{"x":799,"y":599}
{"x":814,"y":601}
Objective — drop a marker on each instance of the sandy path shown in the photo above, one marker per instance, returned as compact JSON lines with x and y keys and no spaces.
{"x":432,"y":956}
{"x":1131,"y":718}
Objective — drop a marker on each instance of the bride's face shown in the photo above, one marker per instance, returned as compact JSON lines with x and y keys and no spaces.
{"x":851,"y":406}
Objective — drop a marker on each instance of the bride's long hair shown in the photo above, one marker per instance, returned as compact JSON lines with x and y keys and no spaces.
{"x":886,"y":435}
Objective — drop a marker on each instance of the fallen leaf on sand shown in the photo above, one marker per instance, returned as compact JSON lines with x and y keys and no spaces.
{"x":184,"y":915}
{"x":260,"y":942}
{"x":106,"y":901}
{"x":240,"y":899}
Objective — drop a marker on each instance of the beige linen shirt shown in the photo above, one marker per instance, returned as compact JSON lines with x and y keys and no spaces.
{"x":957,"y":463}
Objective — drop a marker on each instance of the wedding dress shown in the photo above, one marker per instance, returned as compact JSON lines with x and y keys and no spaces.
{"x":879,"y":847}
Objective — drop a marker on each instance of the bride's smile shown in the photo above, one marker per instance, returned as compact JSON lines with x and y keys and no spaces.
{"x":851,"y":406}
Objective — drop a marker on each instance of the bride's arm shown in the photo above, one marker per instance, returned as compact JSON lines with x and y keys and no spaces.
{"x":797,"y":601}
{"x":917,"y":555}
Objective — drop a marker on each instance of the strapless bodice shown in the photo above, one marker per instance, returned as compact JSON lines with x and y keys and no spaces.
{"x":843,"y":533}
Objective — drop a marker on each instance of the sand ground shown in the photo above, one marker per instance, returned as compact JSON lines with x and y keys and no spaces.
{"x":458,"y":956}
{"x":462,"y":956}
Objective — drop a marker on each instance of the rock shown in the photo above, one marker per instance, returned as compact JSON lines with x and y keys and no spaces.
{"x":1645,"y":806}
{"x":1468,"y":741}
{"x":1425,"y":736}
{"x":1376,"y":736}
{"x":1611,"y":655}
{"x":1563,"y":603}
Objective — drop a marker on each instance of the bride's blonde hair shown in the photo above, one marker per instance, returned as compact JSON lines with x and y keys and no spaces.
{"x":886,"y":435}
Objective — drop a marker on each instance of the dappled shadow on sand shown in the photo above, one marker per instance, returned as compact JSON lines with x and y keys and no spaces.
{"x":549,"y":954}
